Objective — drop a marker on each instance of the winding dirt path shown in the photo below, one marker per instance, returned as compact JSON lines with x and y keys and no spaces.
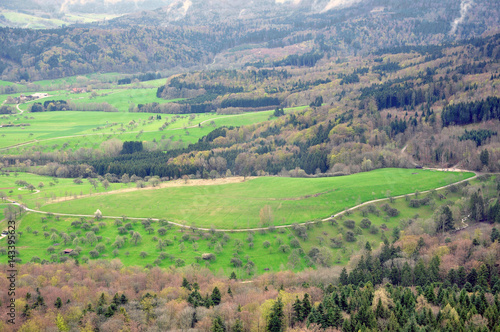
{"x":257,"y":228}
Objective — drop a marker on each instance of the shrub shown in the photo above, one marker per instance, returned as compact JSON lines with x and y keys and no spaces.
{"x":349,"y":223}
{"x":284,"y":248}
{"x":365,"y":223}
{"x":373,"y":229}
{"x":349,"y":236}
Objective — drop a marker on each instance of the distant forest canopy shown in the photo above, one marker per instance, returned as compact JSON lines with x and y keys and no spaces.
{"x":141,"y":43}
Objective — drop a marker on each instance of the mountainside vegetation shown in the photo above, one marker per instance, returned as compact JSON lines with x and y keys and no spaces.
{"x":250,"y":165}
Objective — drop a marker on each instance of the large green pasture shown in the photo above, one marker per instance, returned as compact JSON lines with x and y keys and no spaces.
{"x":36,"y":22}
{"x":5,"y":83}
{"x":238,"y":205}
{"x":188,"y":245}
{"x":121,"y":98}
{"x":59,"y":131}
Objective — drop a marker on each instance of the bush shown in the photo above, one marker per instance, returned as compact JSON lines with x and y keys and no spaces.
{"x":295,"y":243}
{"x":373,"y":229}
{"x":349,"y":223}
{"x":236,"y":262}
{"x":349,"y":236}
{"x":336,"y":242}
{"x":284,"y":248}
{"x":365,"y":223}
{"x":266,"y":244}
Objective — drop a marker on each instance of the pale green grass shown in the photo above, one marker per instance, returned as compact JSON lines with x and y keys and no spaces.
{"x":36,"y":22}
{"x":5,"y":83}
{"x":238,"y":205}
{"x":49,"y":131}
{"x":123,"y":98}
{"x":52,"y":188}
{"x":31,"y":21}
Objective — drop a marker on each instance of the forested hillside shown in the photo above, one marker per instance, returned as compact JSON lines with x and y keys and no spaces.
{"x":173,"y":38}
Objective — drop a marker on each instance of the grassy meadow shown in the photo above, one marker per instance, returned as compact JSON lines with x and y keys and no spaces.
{"x":52,"y":131}
{"x":269,"y":250}
{"x":63,"y":131}
{"x":238,"y":205}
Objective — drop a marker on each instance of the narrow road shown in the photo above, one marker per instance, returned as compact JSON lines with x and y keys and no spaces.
{"x":244,"y":229}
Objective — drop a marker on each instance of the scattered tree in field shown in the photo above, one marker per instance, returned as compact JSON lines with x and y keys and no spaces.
{"x":161,"y":244}
{"x":136,"y":237}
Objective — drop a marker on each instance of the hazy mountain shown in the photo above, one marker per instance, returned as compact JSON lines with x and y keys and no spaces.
{"x":191,"y":33}
{"x":84,"y":6}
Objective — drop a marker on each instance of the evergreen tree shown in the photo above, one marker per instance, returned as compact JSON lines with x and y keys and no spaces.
{"x":186,"y":284}
{"x":484,"y":156}
{"x":445,"y":220}
{"x":216,"y":296}
{"x":102,"y":301}
{"x":297,"y":311}
{"x":344,"y":278}
{"x":238,"y":326}
{"x":472,"y":277}
{"x":314,"y":317}
{"x":275,"y":321}
{"x":306,"y":306}
{"x":218,"y":325}
{"x":420,"y":273}
{"x":495,"y":235}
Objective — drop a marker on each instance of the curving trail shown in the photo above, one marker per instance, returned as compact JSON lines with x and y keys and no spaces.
{"x":476,"y":174}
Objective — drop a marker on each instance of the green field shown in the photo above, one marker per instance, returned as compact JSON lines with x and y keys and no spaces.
{"x":29,"y":133}
{"x":188,"y":245}
{"x":238,"y":205}
{"x":5,"y":83}
{"x":52,"y":188}
{"x":122,"y":98}
{"x":52,"y":131}
{"x":37,"y":22}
